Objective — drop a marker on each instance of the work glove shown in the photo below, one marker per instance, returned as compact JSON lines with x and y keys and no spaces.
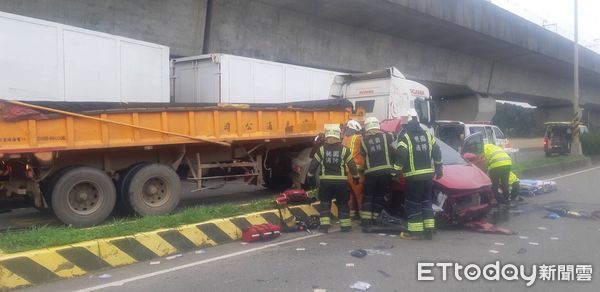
{"x":439,"y":172}
{"x":356,"y":179}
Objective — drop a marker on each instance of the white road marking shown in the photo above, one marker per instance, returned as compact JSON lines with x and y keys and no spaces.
{"x":574,"y":173}
{"x":157,"y":273}
{"x":494,"y":251}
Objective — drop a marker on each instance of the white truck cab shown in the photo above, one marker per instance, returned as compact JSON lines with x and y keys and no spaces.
{"x":384,"y":94}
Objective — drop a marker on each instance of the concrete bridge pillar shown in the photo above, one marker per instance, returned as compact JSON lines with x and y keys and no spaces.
{"x":554,"y":114}
{"x":474,"y":107}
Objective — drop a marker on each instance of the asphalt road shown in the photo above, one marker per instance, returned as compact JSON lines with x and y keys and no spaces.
{"x":303,"y":262}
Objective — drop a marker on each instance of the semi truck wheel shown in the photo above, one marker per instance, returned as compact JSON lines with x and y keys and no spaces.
{"x":83,"y":196}
{"x":123,"y":206}
{"x":152,"y":189}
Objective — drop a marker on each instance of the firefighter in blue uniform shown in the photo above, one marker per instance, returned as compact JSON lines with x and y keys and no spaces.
{"x":379,"y":152}
{"x":420,"y":158}
{"x":333,"y":158}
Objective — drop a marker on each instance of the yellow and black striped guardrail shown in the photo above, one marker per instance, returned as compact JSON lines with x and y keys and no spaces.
{"x":49,"y":264}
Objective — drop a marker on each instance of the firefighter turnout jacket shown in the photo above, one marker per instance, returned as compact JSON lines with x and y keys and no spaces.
{"x":495,"y":156}
{"x":418,"y":152}
{"x":354,"y":142}
{"x":379,"y":153}
{"x":333,"y":159}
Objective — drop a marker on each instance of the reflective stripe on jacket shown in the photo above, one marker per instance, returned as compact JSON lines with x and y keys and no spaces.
{"x":354,"y":143}
{"x":419,"y":153}
{"x":378,"y":151}
{"x":333,"y":159}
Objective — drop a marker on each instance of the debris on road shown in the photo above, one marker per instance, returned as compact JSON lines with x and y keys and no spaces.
{"x":552,"y":215}
{"x":377,"y":252}
{"x":359,"y":253}
{"x":564,"y":212}
{"x":383,"y":273}
{"x":487,"y":227}
{"x":173,"y":256}
{"x":362,"y":286}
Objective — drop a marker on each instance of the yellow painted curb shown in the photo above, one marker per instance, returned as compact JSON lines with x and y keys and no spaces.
{"x":48,"y":264}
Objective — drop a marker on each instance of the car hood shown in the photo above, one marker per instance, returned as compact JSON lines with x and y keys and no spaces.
{"x":463,"y":177}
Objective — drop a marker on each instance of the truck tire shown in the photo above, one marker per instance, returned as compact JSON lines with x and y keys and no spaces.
{"x":152,"y":189}
{"x":83,"y":196}
{"x":123,"y":206}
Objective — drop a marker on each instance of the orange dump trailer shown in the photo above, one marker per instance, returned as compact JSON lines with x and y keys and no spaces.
{"x":83,"y":159}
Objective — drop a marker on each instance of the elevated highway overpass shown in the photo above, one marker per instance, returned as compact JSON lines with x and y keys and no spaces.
{"x":466,"y":51}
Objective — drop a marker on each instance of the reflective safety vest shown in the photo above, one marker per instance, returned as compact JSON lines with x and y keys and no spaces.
{"x":495,"y":156}
{"x":333,"y":159}
{"x":376,"y":149}
{"x":419,"y":153}
{"x":512,"y":178}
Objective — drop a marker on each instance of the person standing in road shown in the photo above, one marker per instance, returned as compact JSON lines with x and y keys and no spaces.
{"x":379,"y":152}
{"x":498,"y":165}
{"x":353,"y":140}
{"x":420,"y":158}
{"x":333,"y":158}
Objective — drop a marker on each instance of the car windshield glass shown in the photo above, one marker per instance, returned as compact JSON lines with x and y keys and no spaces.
{"x":449,"y":155}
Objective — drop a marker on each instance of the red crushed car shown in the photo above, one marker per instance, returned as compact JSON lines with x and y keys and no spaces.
{"x":464,"y":193}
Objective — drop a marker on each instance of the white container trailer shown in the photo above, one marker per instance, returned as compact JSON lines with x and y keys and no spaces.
{"x":47,"y":61}
{"x":221,"y":78}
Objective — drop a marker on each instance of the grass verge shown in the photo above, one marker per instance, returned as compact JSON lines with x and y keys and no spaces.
{"x":48,"y":236}
{"x":528,"y":164}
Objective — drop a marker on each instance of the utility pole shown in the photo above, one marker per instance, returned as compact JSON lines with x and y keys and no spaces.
{"x":576,"y":145}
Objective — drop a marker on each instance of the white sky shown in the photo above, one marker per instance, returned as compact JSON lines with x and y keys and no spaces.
{"x":558,"y":16}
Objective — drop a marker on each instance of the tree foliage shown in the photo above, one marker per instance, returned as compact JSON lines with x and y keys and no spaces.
{"x":517,"y":121}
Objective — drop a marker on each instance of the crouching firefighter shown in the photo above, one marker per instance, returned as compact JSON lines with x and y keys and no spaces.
{"x":379,"y":152}
{"x":420,"y":158}
{"x":333,"y":157}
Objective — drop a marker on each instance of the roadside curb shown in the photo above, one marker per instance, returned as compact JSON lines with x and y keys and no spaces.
{"x":555,"y":168}
{"x":49,"y":264}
